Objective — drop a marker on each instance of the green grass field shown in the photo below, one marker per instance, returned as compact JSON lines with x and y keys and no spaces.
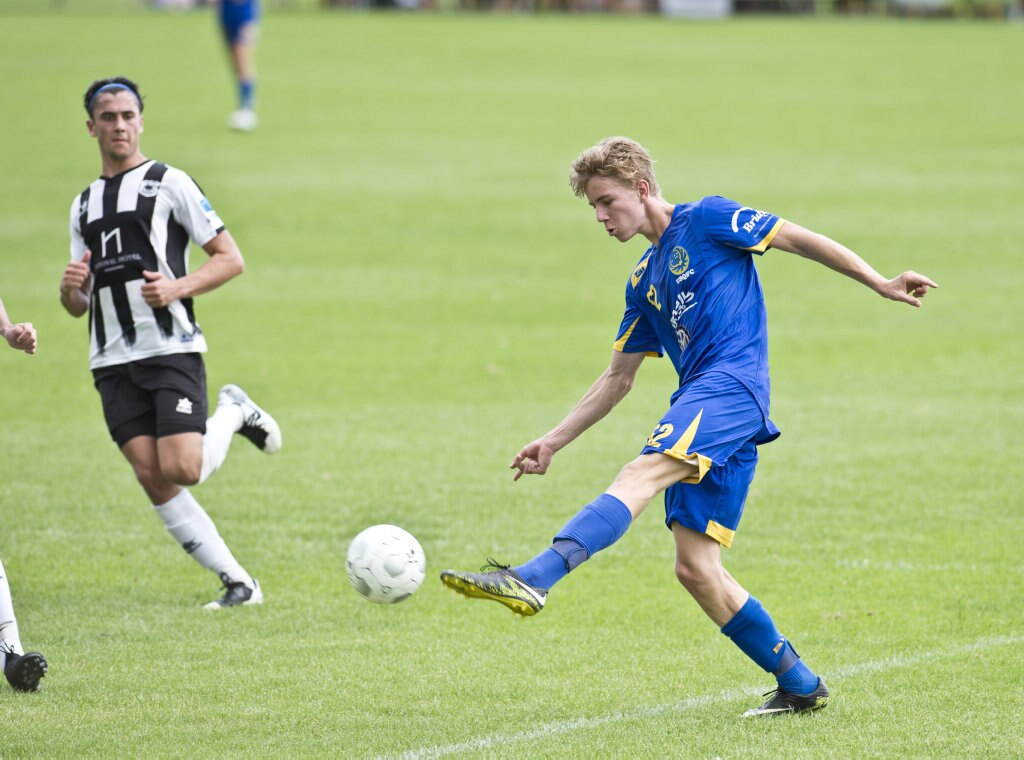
{"x":424,"y":295}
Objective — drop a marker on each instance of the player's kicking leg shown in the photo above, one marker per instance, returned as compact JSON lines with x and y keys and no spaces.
{"x":256,"y":425}
{"x":524,"y":589}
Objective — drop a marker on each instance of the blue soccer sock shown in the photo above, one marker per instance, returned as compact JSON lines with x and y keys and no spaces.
{"x":595,"y":527}
{"x":246,"y":93}
{"x":797,"y":678}
{"x":752,"y":630}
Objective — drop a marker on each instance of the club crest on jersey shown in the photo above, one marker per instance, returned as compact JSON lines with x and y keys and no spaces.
{"x":149,"y":188}
{"x":679,"y":261}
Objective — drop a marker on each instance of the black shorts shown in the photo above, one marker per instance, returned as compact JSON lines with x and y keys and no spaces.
{"x":159,"y":396}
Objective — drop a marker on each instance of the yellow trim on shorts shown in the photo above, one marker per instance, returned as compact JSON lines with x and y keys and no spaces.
{"x":720,"y":533}
{"x":767,"y":239}
{"x":701,"y":462}
{"x":681,"y":451}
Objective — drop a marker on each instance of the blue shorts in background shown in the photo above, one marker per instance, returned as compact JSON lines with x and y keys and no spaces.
{"x":235,"y":15}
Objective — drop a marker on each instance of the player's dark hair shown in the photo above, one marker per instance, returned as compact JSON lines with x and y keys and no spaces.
{"x":110,"y":84}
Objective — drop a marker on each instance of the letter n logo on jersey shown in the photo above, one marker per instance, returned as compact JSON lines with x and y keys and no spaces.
{"x":105,"y":236}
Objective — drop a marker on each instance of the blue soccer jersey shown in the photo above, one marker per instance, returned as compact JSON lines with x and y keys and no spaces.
{"x":696,"y":296}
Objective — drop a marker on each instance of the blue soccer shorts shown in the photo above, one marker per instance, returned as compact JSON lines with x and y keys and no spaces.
{"x":715,"y":423}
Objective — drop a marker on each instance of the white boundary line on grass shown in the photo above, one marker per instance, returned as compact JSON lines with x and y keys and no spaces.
{"x":547,"y":730}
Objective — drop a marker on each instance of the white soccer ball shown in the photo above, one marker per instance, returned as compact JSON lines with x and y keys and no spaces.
{"x":385,"y":564}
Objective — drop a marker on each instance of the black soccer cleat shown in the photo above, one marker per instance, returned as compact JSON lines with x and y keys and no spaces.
{"x":236,"y":595}
{"x":499,"y":583}
{"x":780,"y":701}
{"x":25,"y":671}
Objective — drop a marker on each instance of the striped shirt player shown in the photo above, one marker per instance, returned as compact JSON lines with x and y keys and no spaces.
{"x":695,"y":296}
{"x":140,"y":220}
{"x":129,"y":271}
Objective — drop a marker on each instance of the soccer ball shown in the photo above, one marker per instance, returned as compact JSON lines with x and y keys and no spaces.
{"x":385,"y":564}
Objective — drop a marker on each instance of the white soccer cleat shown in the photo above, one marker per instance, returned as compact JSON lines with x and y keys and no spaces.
{"x":244,"y":120}
{"x":258,"y":426}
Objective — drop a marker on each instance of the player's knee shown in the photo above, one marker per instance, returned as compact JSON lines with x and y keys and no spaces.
{"x":181,"y":473}
{"x":693,"y":575}
{"x":149,"y":475}
{"x":153,"y":481}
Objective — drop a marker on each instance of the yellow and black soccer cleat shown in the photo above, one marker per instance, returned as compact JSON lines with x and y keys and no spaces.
{"x":500,"y":583}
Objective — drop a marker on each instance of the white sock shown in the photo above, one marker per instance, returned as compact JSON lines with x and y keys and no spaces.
{"x":225,"y":421}
{"x":188,"y":522}
{"x":9,"y":640}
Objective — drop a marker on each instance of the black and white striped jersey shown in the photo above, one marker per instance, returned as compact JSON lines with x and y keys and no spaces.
{"x":140,"y":219}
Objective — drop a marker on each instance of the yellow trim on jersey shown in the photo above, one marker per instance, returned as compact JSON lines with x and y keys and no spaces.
{"x":720,"y":533}
{"x":767,"y":239}
{"x":634,"y":278}
{"x":620,"y":344}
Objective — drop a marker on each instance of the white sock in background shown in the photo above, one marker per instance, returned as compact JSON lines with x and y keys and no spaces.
{"x":225,"y":421}
{"x":188,"y":522}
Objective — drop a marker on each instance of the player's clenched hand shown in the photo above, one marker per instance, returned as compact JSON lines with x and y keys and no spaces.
{"x":76,"y":274}
{"x":533,"y":459}
{"x":909,"y":287}
{"x":21,"y":336}
{"x":158,"y":290}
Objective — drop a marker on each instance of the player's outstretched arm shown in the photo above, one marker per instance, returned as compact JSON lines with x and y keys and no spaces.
{"x":608,"y":390}
{"x":20,"y":336}
{"x":909,"y":287}
{"x":225,"y":263}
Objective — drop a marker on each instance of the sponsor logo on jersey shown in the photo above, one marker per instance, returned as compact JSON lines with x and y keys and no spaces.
{"x":679,"y":261}
{"x":751,"y":223}
{"x":184,"y":406}
{"x":149,"y":188}
{"x":652,"y":297}
{"x":639,"y":271}
{"x":206,"y":206}
{"x":684,"y":302}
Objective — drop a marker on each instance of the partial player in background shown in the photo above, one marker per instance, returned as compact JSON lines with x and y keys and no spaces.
{"x":22,"y":669}
{"x":20,"y":336}
{"x":130,"y":233}
{"x":239,"y":22}
{"x":694,"y":295}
